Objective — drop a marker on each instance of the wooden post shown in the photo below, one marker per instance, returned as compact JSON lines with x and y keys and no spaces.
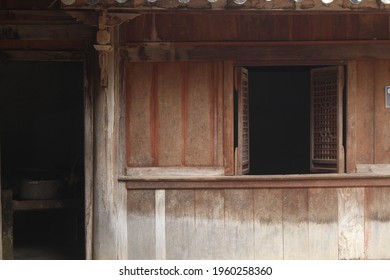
{"x":106,"y":227}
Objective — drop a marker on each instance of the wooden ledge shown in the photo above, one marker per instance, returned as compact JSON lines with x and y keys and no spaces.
{"x":263,"y":181}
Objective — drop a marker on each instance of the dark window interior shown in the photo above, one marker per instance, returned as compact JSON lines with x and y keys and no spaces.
{"x":41,"y":115}
{"x":279,"y":120}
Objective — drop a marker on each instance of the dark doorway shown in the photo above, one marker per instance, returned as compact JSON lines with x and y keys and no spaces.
{"x":279,"y":120}
{"x":42,"y":136}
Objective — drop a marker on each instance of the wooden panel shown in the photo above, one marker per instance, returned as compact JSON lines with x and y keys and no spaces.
{"x":199,"y":140}
{"x":139,"y":78}
{"x":209,"y":219}
{"x":295,"y":224}
{"x":170,"y":114}
{"x":377,"y":223}
{"x":160,"y":211}
{"x":141,"y":224}
{"x":382,"y":114}
{"x":323,"y":224}
{"x":236,"y":27}
{"x":351,"y":223}
{"x":228,"y":118}
{"x":180,"y":224}
{"x":365,"y":112}
{"x":351,"y":130}
{"x":268,"y":224}
{"x":239,"y":238}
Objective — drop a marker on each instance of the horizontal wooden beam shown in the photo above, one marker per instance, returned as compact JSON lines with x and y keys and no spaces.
{"x":281,"y":181}
{"x":260,"y":51}
{"x":41,"y":55}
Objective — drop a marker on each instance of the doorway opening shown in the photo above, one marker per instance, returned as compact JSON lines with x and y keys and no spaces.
{"x":42,"y":158}
{"x":281,"y":120}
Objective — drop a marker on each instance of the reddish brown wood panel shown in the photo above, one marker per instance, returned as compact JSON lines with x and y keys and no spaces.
{"x":235,"y":27}
{"x":365,"y":112}
{"x":139,"y":77}
{"x":173,"y":114}
{"x":382,"y":114}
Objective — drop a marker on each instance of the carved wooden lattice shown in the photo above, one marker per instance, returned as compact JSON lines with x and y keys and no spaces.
{"x":326,"y":118}
{"x":243,"y":163}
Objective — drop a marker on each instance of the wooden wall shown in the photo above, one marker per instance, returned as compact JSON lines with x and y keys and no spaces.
{"x":173,"y":115}
{"x":302,"y":223}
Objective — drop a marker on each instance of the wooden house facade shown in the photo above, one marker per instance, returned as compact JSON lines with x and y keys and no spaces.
{"x":222,"y":129}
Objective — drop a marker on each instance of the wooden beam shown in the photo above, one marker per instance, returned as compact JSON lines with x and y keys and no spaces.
{"x":261,"y":51}
{"x":277,"y":181}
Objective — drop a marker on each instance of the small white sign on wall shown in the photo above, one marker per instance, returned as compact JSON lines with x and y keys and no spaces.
{"x":387,"y":96}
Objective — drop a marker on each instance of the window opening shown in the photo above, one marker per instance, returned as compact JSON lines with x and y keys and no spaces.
{"x":280,"y":140}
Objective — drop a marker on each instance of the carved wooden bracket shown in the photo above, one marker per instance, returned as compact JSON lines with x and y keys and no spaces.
{"x":103,"y":20}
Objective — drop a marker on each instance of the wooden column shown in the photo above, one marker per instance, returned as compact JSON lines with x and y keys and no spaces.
{"x":107,"y":204}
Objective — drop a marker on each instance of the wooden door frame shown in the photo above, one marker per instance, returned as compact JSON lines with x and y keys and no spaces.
{"x":89,"y":78}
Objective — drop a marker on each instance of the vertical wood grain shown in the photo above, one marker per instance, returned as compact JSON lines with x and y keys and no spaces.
{"x":382,"y":114}
{"x":268,"y":224}
{"x":160,"y":225}
{"x":239,"y":228}
{"x":200,"y":138}
{"x":351,"y":128}
{"x":180,"y":224}
{"x":141,"y":226}
{"x":209,"y":219}
{"x":378,"y":223}
{"x":122,"y":222}
{"x":295,"y":224}
{"x":170,"y":135}
{"x":365,"y":112}
{"x":219,"y":128}
{"x":228,"y":118}
{"x":138,"y":89}
{"x":351,"y":223}
{"x":323,"y":224}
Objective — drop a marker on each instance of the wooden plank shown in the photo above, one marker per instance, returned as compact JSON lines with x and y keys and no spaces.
{"x":122,"y":222}
{"x":228,"y":118}
{"x":382,"y":114}
{"x":239,"y":237}
{"x":170,"y":135}
{"x":138,"y":89}
{"x":269,"y":51}
{"x":200,"y":133}
{"x":351,"y":223}
{"x":141,"y":226}
{"x":365,"y":112}
{"x":209,"y":223}
{"x":160,"y":225}
{"x":295,"y":224}
{"x":323,"y":224}
{"x":180,"y":224}
{"x":351,"y":148}
{"x":90,"y":81}
{"x":219,"y":128}
{"x":377,"y":223}
{"x":268,"y":224}
{"x":251,"y":182}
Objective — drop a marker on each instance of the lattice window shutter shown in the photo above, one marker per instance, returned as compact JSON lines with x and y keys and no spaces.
{"x":242,"y":153}
{"x":327,"y":153}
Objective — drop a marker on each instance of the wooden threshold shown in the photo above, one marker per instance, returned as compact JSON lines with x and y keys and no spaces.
{"x":262,"y":181}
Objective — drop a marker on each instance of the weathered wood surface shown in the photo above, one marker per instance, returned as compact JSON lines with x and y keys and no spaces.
{"x":7,"y":225}
{"x":311,"y":223}
{"x":177,"y":119}
{"x":237,"y":26}
{"x":258,"y":51}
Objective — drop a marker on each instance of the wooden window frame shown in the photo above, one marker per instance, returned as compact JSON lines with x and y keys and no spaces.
{"x":348,"y":158}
